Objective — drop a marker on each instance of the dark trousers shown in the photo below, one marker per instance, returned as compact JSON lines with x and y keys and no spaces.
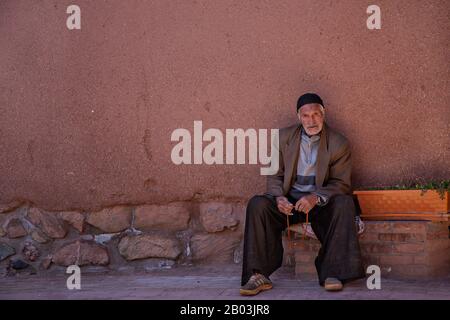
{"x":333,"y":224}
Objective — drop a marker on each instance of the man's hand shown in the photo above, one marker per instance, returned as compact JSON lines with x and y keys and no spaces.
{"x":284,"y":205}
{"x":306,"y":203}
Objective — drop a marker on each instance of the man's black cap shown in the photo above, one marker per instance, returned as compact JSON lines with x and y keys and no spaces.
{"x":309,"y":98}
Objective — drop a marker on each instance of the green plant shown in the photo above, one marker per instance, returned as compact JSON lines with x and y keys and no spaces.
{"x":441,"y":186}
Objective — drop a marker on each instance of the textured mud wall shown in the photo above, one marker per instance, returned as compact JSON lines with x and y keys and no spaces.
{"x":86,"y":115}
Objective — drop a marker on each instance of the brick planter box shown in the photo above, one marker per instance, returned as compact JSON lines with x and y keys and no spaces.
{"x":403,"y":205}
{"x":402,"y":249}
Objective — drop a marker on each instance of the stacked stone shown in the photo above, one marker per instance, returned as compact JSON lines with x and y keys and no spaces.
{"x":115,"y":238}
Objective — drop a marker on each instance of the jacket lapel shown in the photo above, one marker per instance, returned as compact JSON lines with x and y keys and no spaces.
{"x":292,"y":150}
{"x":323,"y":157}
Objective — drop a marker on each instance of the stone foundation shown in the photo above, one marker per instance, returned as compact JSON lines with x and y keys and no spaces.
{"x":143,"y":237}
{"x":131,"y":238}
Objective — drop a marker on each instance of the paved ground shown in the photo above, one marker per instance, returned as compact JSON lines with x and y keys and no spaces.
{"x":207,"y":283}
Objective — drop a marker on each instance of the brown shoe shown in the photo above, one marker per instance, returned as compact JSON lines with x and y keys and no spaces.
{"x":255,"y":285}
{"x":333,"y":284}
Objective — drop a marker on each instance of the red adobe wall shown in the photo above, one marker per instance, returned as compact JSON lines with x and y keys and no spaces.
{"x":86,"y":115}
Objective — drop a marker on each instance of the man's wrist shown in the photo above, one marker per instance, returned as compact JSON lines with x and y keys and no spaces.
{"x":320,"y":200}
{"x":280,"y":198}
{"x":317,"y":200}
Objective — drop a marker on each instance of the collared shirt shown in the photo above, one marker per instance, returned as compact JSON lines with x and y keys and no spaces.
{"x":306,"y":166}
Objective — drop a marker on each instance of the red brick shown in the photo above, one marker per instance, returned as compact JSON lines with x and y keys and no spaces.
{"x":409,"y":271}
{"x":401,"y":237}
{"x":437,"y":227}
{"x":379,"y":247}
{"x":289,"y":260}
{"x":307,"y":245}
{"x":378,"y":226}
{"x":288,"y":246}
{"x":439,"y":271}
{"x":443,"y":234}
{"x":404,"y":249}
{"x":386,"y":261}
{"x":368,"y":237}
{"x":432,"y":260}
{"x":304,"y":258}
{"x":410,"y":226}
{"x":438,"y":245}
{"x":409,"y":247}
{"x":305,"y":268}
{"x":438,"y":259}
{"x":437,"y":230}
{"x":421,"y":259}
{"x":368,"y":260}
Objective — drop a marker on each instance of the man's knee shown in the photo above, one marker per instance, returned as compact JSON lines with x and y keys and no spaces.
{"x":258,"y":204}
{"x":342,"y":199}
{"x":344,"y":202}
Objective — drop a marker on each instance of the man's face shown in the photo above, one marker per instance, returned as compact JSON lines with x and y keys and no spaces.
{"x":311,"y":118}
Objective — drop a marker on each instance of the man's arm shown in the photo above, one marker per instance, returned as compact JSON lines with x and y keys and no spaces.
{"x":339,"y":178}
{"x":275,"y":185}
{"x":275,"y":182}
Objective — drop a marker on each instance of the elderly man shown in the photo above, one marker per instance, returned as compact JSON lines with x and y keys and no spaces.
{"x":314,"y":179}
